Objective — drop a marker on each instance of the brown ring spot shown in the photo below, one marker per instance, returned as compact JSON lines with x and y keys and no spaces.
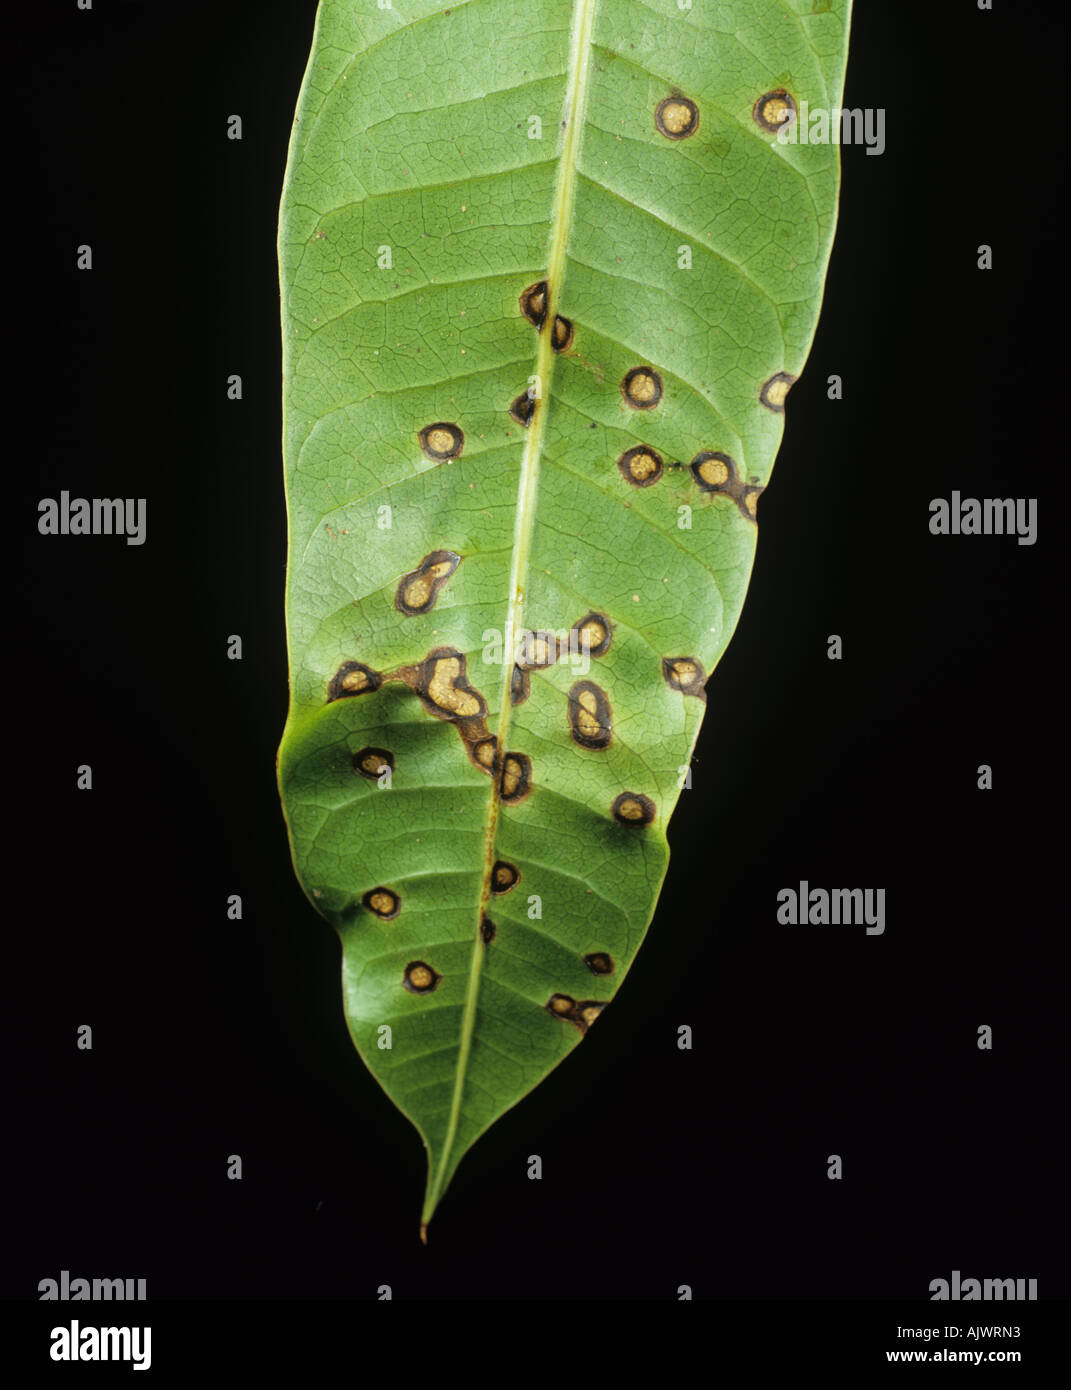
{"x":420,"y":978}
{"x":640,"y":466}
{"x":677,"y":117}
{"x":714,"y":471}
{"x":600,"y":963}
{"x":353,"y":678}
{"x":642,"y":388}
{"x":582,"y":1015}
{"x":590,"y":720}
{"x":598,"y":630}
{"x":774,"y":109}
{"x":370,"y":762}
{"x":383,"y":902}
{"x":488,"y":931}
{"x":441,"y":441}
{"x":749,"y":501}
{"x":684,"y":673}
{"x":633,"y":809}
{"x":561,"y":333}
{"x":587,"y":1012}
{"x":419,"y":588}
{"x":504,"y":877}
{"x":534,"y":303}
{"x":443,"y":686}
{"x":484,"y":751}
{"x":775,"y":391}
{"x":522,"y":409}
{"x":516,"y":780}
{"x":520,"y":686}
{"x":538,"y":651}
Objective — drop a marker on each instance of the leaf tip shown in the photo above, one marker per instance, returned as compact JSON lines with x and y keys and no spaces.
{"x":423,"y":1233}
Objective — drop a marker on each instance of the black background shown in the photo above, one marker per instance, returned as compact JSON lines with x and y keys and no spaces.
{"x":213,"y":1037}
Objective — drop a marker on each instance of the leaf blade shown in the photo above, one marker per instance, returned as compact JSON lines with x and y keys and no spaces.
{"x":381,"y":362}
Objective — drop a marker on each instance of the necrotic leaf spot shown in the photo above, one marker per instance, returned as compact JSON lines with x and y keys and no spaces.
{"x":633,"y":808}
{"x":503,"y":877}
{"x":516,"y":781}
{"x":775,"y":391}
{"x":599,"y":963}
{"x":444,"y":687}
{"x":383,"y":902}
{"x":419,"y":589}
{"x":538,"y":650}
{"x":642,"y":388}
{"x":589,"y":715}
{"x":684,"y":673}
{"x":534,"y":303}
{"x":561,"y":333}
{"x":353,"y":678}
{"x":773,"y":109}
{"x":714,"y":472}
{"x":441,"y":441}
{"x":677,"y":117}
{"x":595,"y":631}
{"x":749,"y":501}
{"x":484,"y":751}
{"x":640,"y":466}
{"x":488,"y":931}
{"x":588,"y":1011}
{"x":582,"y":1015}
{"x":520,"y":686}
{"x":370,"y":762}
{"x":420,"y":978}
{"x":522,"y":409}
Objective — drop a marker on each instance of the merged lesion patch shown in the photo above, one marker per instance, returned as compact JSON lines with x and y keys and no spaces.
{"x":533,"y":303}
{"x":419,"y":588}
{"x":717,"y":472}
{"x":581,"y":1014}
{"x":590,"y":719}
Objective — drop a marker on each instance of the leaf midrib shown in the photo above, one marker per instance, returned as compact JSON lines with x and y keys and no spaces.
{"x":579,"y":68}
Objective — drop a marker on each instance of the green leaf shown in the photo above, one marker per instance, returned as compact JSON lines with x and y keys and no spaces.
{"x":547,"y":274}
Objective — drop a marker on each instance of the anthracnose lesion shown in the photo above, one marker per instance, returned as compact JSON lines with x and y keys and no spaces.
{"x":373,"y":762}
{"x":677,"y":117}
{"x":441,"y":441}
{"x":633,"y":809}
{"x":640,"y":466}
{"x":684,"y":673}
{"x":580,"y":1013}
{"x":353,"y":678}
{"x":419,"y":588}
{"x":590,"y":719}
